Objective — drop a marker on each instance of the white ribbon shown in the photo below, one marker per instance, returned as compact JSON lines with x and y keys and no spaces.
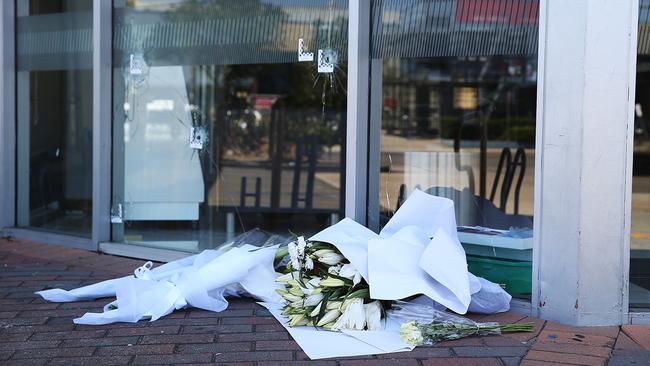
{"x":144,"y":272}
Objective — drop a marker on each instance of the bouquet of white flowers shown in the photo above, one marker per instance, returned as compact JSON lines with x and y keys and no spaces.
{"x":426,"y":325}
{"x":323,"y":289}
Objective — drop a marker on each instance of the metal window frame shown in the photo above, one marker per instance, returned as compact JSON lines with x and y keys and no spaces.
{"x":356,"y":167}
{"x":7,"y":115}
{"x":102,"y":121}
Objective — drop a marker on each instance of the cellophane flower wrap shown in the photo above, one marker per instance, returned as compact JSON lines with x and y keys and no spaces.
{"x":426,"y":325}
{"x":323,"y":289}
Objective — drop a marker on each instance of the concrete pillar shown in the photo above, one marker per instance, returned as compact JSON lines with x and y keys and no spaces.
{"x":587,"y":65}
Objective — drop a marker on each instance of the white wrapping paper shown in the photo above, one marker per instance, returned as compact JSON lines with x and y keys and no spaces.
{"x":199,"y":281}
{"x":342,"y":344}
{"x":417,"y":252}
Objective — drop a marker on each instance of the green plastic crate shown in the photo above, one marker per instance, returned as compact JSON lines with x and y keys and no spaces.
{"x":515,"y":276}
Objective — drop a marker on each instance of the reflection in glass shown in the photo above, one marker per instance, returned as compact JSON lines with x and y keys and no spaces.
{"x":218,"y":128}
{"x":457,"y":107}
{"x":54,"y":120}
{"x":640,"y":230}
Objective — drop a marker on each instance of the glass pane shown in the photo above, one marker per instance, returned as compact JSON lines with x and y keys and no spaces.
{"x":218,"y":128}
{"x":54,"y":115}
{"x":640,"y":240}
{"x":457,"y":108}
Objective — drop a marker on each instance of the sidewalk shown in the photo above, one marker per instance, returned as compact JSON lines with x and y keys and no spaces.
{"x":35,"y":332}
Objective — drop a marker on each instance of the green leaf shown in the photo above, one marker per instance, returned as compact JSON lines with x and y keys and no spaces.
{"x":280,"y":254}
{"x":348,"y":282}
{"x":363,"y":293}
{"x":323,"y":307}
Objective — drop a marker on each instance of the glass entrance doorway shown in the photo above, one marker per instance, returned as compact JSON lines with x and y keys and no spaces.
{"x":218,"y":128}
{"x":54,"y":115}
{"x":453,"y":106}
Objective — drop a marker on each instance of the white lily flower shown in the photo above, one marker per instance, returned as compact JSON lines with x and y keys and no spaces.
{"x":331,"y":258}
{"x":333,"y":305}
{"x":327,"y":326}
{"x":313,"y":300}
{"x":316,"y":310}
{"x":302,"y":244}
{"x":296,"y":291}
{"x":293,"y":283}
{"x":281,"y":292}
{"x":329,"y":317}
{"x":345,"y":304}
{"x":411,"y":333}
{"x":297,"y":320}
{"x":294,"y":255}
{"x":349,"y":271}
{"x":334,"y":270}
{"x":322,"y":252}
{"x":315,"y":281}
{"x":357,"y":314}
{"x":307,"y":291}
{"x":285,"y":278}
{"x":373,"y":315}
{"x":332,"y":282}
{"x":356,"y":279}
{"x":341,"y":322}
{"x":353,"y":317}
{"x":309,"y":263}
{"x":297,"y":252}
{"x":291,"y":297}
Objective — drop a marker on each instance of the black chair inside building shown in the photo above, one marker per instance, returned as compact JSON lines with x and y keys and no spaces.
{"x":473,"y":210}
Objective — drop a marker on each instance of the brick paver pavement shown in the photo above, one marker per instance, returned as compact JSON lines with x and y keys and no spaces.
{"x":36,"y":332}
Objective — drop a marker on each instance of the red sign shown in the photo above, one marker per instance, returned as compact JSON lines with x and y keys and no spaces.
{"x":264,"y":101}
{"x":514,"y":12}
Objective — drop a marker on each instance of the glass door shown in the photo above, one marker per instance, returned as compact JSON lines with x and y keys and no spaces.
{"x":453,"y":106}
{"x":219,"y":127}
{"x":54,"y":101}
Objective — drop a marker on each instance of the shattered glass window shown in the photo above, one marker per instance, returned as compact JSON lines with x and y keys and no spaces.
{"x":228,"y":116}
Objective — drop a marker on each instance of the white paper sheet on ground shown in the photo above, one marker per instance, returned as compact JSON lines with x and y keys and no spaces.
{"x":351,"y":343}
{"x":386,"y":339}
